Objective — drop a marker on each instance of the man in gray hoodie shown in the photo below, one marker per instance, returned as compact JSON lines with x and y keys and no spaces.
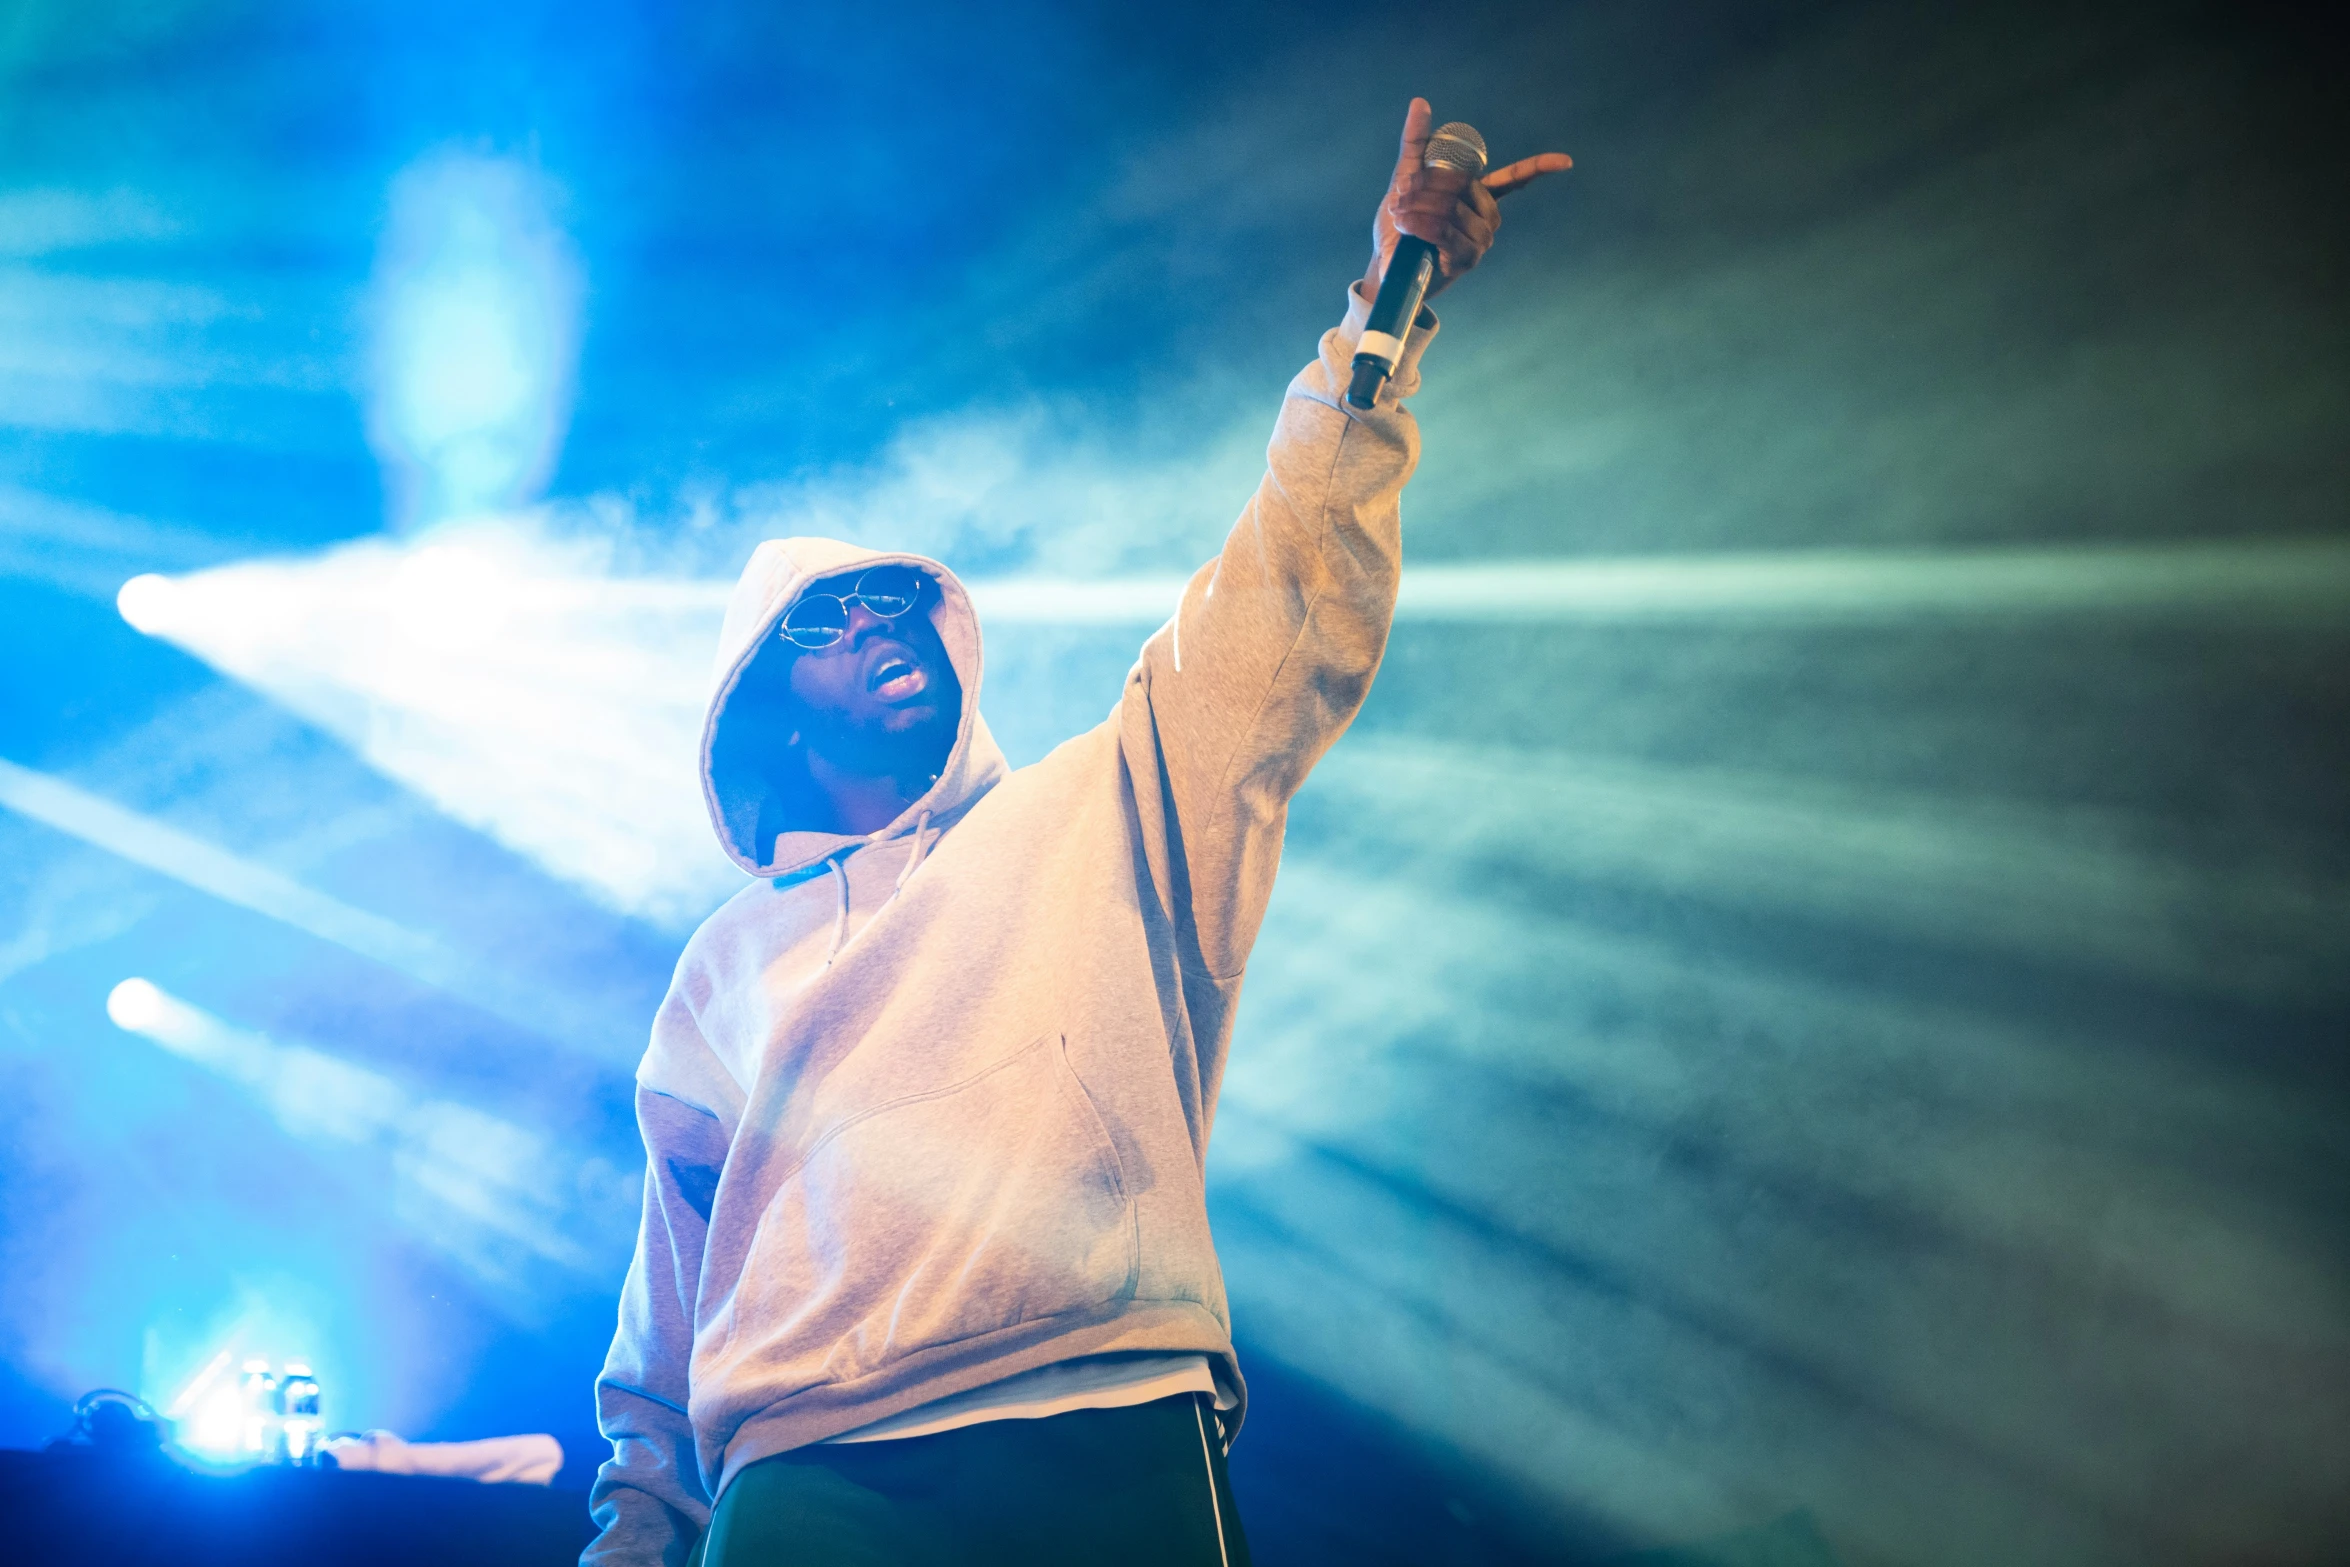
{"x":925,"y":1272}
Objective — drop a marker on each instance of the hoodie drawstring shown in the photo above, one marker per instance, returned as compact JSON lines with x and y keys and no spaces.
{"x":837,"y":860}
{"x":840,"y":919}
{"x":921,"y":826}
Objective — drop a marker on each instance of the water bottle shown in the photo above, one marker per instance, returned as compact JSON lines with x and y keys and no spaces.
{"x":303,"y":1431}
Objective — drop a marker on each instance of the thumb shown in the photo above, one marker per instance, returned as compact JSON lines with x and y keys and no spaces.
{"x":1415,"y":138}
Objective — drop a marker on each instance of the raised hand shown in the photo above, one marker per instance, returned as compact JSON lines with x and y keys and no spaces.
{"x":1444,"y":206}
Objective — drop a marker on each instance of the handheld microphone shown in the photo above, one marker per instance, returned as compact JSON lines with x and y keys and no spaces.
{"x":1409,"y":272}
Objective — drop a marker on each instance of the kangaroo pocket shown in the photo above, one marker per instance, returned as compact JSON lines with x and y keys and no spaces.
{"x":938,"y":1216}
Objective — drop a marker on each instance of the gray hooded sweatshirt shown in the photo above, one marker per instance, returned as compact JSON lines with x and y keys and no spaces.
{"x":929,"y":1108}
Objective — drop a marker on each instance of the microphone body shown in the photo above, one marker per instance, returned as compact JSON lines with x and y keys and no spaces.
{"x":1393,"y":315}
{"x":1409,"y":272}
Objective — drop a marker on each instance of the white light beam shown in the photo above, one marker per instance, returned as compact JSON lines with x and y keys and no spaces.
{"x":2266,"y":576}
{"x":210,"y":869}
{"x":143,"y":840}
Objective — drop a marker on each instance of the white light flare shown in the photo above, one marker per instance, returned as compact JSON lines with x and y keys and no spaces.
{"x":136,"y":1006}
{"x":217,"y":1427}
{"x":209,"y":1412}
{"x":146,"y":602}
{"x":198,"y":1385}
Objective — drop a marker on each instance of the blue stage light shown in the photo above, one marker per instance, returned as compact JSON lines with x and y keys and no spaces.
{"x":209,"y":1414}
{"x":475,"y":312}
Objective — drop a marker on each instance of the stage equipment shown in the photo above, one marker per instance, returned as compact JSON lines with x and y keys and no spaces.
{"x":299,"y":1430}
{"x":1409,"y":272}
{"x":100,"y":1506}
{"x":280,"y":1423}
{"x":117,"y":1490}
{"x":108,"y":1420}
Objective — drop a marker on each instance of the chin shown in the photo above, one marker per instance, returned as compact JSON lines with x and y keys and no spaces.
{"x":921,"y":719}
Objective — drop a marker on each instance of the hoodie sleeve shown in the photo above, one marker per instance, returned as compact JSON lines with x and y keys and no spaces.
{"x":1270,"y":654}
{"x":648,"y":1502}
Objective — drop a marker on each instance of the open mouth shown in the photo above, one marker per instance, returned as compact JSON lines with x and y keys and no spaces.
{"x":895,"y":676}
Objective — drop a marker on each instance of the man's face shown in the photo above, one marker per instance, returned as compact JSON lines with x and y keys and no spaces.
{"x":887,"y":684}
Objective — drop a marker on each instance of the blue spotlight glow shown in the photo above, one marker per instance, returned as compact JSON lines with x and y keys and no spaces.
{"x":199,"y":1367}
{"x":476,"y":299}
{"x":232,"y":1412}
{"x":208,"y":1414}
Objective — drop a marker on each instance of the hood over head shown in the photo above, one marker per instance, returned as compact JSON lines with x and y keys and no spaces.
{"x":780,"y":570}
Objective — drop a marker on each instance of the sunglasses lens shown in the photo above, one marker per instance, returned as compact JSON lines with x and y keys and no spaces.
{"x":816,"y":621}
{"x":890,"y":590}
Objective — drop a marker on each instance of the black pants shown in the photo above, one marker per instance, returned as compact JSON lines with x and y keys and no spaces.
{"x":1143,"y":1486}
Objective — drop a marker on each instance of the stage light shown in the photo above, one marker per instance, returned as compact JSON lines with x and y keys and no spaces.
{"x":216,"y":1428}
{"x":474,"y":306}
{"x":238,"y":1417}
{"x":135,"y":1005}
{"x":146,"y":601}
{"x":507,"y":676}
{"x":138,"y":1006}
{"x":208,"y":1414}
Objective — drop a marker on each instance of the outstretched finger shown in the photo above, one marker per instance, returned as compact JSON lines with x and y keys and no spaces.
{"x":1415,"y":139}
{"x":1526,"y":171}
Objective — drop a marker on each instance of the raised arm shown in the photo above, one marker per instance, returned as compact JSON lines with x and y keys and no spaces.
{"x":1272,"y":651}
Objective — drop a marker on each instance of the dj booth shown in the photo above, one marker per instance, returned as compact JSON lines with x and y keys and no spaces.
{"x":116,"y":1509}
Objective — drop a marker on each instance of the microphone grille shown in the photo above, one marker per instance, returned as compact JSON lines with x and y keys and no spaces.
{"x":1457,"y":146}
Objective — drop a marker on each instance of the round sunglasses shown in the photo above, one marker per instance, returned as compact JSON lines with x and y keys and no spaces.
{"x":819,"y":620}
